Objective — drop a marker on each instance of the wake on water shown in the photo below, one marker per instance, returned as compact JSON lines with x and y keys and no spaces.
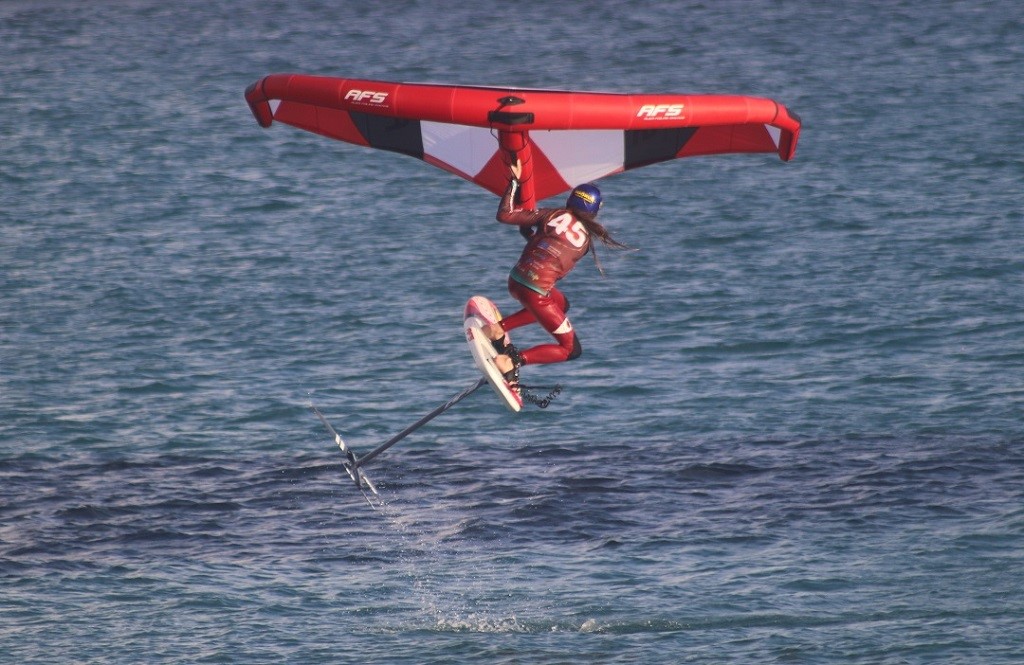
{"x":466,"y":603}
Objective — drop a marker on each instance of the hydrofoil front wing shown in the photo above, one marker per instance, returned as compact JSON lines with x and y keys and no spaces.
{"x":351,"y":462}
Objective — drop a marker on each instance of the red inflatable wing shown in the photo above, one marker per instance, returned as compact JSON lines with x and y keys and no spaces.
{"x":562,"y":138}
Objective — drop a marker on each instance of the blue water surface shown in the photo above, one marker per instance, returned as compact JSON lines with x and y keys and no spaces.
{"x":795,"y":434}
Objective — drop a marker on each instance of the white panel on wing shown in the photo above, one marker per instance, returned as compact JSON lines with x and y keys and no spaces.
{"x":466,"y":148}
{"x":582,"y":155}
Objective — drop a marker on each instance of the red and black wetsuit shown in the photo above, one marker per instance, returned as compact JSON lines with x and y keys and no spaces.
{"x":559,"y":241}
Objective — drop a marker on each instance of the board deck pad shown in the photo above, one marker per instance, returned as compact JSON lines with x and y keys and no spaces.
{"x":479,"y":312}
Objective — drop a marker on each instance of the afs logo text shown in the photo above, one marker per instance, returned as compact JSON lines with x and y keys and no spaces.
{"x":653,"y":111}
{"x":370,"y":96}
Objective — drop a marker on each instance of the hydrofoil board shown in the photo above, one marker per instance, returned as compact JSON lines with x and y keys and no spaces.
{"x":478,"y":313}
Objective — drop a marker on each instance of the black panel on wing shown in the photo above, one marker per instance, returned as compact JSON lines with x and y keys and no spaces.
{"x":649,"y":146}
{"x":394,"y":134}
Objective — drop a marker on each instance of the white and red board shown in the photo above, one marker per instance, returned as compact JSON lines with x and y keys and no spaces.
{"x":479,"y":312}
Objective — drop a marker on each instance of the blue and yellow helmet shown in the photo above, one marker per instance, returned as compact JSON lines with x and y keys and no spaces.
{"x":586,"y":198}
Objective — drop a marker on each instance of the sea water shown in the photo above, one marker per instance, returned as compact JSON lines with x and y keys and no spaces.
{"x":794,"y":436}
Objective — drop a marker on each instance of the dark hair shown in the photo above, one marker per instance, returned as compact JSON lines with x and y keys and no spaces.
{"x":595,"y":228}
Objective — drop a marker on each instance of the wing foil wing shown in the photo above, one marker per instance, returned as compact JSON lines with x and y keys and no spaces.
{"x":568,"y":137}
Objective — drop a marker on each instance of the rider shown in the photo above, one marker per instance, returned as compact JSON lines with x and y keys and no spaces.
{"x":559,"y":238}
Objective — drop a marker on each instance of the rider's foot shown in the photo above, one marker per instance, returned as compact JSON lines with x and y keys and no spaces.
{"x":508,"y":364}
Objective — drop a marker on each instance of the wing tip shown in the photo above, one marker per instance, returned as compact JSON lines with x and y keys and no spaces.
{"x":789,"y":122}
{"x":259,"y":104}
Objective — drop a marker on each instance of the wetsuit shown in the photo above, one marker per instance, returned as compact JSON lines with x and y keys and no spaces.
{"x":559,"y":240}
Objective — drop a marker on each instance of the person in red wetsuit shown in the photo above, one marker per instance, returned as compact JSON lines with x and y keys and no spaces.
{"x":556,"y":239}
